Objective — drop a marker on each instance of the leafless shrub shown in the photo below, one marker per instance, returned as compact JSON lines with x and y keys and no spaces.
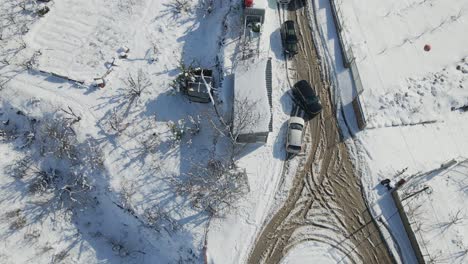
{"x":57,"y":137}
{"x":150,"y":144}
{"x":135,"y":86}
{"x":57,"y":165}
{"x":180,"y":6}
{"x":454,"y":219}
{"x":72,"y":117}
{"x":463,"y":249}
{"x":21,"y":167}
{"x":46,"y":248}
{"x":116,"y":121}
{"x":158,"y":219}
{"x":207,"y":6}
{"x":126,"y":195}
{"x":32,"y":235}
{"x":43,"y":181}
{"x":18,"y":223}
{"x":61,"y":256}
{"x":94,"y":157}
{"x":184,"y":127}
{"x":213,"y":188}
{"x":18,"y":220}
{"x":65,"y":190}
{"x":434,"y":257}
{"x":32,"y":62}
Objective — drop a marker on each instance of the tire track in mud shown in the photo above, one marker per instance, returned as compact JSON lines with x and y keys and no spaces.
{"x":325,"y":203}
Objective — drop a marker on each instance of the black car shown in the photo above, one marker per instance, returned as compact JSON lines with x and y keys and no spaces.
{"x":306,"y":97}
{"x":289,"y":37}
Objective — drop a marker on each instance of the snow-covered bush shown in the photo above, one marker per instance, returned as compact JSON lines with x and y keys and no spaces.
{"x":184,"y":127}
{"x":116,"y":122}
{"x":213,"y":188}
{"x":135,"y":86}
{"x":180,"y":6}
{"x":56,"y":166}
{"x":158,"y":219}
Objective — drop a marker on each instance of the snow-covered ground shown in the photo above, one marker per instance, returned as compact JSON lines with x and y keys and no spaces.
{"x":436,"y":209}
{"x":140,"y":213}
{"x":413,"y":99}
{"x":231,"y":238}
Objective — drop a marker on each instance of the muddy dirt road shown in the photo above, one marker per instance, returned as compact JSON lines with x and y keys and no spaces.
{"x":325,"y":204}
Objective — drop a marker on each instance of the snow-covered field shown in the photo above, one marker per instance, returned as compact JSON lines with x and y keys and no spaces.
{"x":413,"y":99}
{"x":140,"y":211}
{"x":436,"y":208}
{"x":133,"y":160}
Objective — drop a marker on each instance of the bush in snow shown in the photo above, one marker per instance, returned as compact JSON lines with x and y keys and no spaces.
{"x":116,"y":122}
{"x":158,"y":219}
{"x":180,"y":6}
{"x":56,"y":166}
{"x":213,"y":188}
{"x":135,"y":86}
{"x":182,"y":128}
{"x":18,"y":221}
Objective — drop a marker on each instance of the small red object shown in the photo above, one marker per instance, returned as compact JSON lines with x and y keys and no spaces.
{"x":248,"y":3}
{"x":427,"y":47}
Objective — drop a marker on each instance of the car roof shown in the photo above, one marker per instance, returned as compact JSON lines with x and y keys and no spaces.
{"x":295,"y":137}
{"x":297,"y":120}
{"x":305,"y":88}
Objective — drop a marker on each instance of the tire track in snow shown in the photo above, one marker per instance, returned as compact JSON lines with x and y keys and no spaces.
{"x":325,"y":203}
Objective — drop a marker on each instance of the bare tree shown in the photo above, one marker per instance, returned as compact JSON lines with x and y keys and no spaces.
{"x":245,"y":120}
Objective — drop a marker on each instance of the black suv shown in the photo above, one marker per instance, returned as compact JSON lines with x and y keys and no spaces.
{"x":307,"y":98}
{"x":289,"y":37}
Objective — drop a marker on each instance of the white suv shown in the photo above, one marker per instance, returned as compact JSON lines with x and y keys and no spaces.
{"x":294,"y":139}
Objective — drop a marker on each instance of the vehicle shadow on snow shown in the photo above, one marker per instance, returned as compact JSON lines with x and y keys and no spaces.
{"x":279,"y":146}
{"x":276,"y":45}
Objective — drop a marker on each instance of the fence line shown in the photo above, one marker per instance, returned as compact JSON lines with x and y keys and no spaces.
{"x":349,"y":62}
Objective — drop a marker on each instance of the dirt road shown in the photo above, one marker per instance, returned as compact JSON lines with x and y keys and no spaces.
{"x":325,"y":204}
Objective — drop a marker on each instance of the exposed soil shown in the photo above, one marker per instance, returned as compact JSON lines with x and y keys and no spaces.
{"x":325,"y":204}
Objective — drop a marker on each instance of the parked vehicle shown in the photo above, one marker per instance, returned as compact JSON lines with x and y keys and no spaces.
{"x":284,"y":2}
{"x":289,"y":37}
{"x":306,"y":97}
{"x":294,"y":139}
{"x":197,"y":89}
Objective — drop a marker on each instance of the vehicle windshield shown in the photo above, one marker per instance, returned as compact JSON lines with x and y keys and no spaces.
{"x":296,"y":126}
{"x":297,"y":148}
{"x":312,"y":100}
